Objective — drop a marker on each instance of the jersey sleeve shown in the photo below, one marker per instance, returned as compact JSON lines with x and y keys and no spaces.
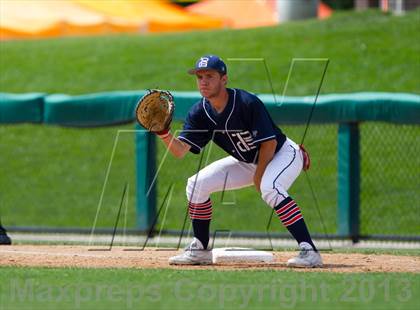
{"x":261,"y":123}
{"x":193,"y":134}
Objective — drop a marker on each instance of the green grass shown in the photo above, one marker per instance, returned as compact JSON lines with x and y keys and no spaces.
{"x":43,"y":288}
{"x":57,"y":174}
{"x":52,"y":176}
{"x":368,"y":51}
{"x":46,"y":186}
{"x":404,"y":252}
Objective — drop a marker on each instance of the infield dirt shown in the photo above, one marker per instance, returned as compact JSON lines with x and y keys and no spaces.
{"x":126,"y":257}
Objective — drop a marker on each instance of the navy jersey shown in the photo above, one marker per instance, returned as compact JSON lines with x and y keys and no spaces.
{"x":239,"y":129}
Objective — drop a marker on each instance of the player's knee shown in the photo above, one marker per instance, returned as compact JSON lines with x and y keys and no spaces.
{"x":190,"y":187}
{"x":195,"y":190}
{"x":272,"y":194}
{"x":269,"y":195}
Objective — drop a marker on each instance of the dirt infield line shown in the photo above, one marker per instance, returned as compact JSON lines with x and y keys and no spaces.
{"x":123,"y":257}
{"x":128,"y":240}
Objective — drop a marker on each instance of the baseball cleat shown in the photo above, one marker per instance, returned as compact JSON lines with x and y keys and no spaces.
{"x":307,"y":257}
{"x":194,"y":254}
{"x":4,"y":238}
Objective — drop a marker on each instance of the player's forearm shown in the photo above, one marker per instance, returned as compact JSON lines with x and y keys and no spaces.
{"x":175,"y":146}
{"x":266,"y":154}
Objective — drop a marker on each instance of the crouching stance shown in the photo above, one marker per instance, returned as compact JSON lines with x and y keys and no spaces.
{"x":259,"y":154}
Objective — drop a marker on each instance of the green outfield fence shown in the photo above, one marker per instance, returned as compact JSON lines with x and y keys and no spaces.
{"x":367,"y":174}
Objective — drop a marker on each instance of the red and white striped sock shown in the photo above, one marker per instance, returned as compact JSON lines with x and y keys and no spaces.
{"x":291,"y":217}
{"x":288,"y":212}
{"x":200,"y":214}
{"x":200,"y":211}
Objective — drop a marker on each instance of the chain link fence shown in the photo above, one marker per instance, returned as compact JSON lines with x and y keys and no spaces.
{"x":244,"y":210}
{"x":54,"y":177}
{"x":389,"y":190}
{"x":390,"y":179}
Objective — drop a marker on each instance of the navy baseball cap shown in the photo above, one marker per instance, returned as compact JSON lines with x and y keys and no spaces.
{"x":209,"y":62}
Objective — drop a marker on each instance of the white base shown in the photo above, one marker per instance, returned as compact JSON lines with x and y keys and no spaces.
{"x":243,"y":255}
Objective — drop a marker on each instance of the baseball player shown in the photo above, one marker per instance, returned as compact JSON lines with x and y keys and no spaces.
{"x":4,"y":238}
{"x":259,"y":154}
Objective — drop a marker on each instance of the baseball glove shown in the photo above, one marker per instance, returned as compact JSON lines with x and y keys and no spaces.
{"x":154,"y":111}
{"x":306,"y":158}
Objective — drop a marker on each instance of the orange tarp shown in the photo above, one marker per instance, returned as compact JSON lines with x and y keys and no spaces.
{"x":324,"y":11}
{"x":160,"y":15}
{"x":238,"y":14}
{"x":246,"y":13}
{"x":48,"y":18}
